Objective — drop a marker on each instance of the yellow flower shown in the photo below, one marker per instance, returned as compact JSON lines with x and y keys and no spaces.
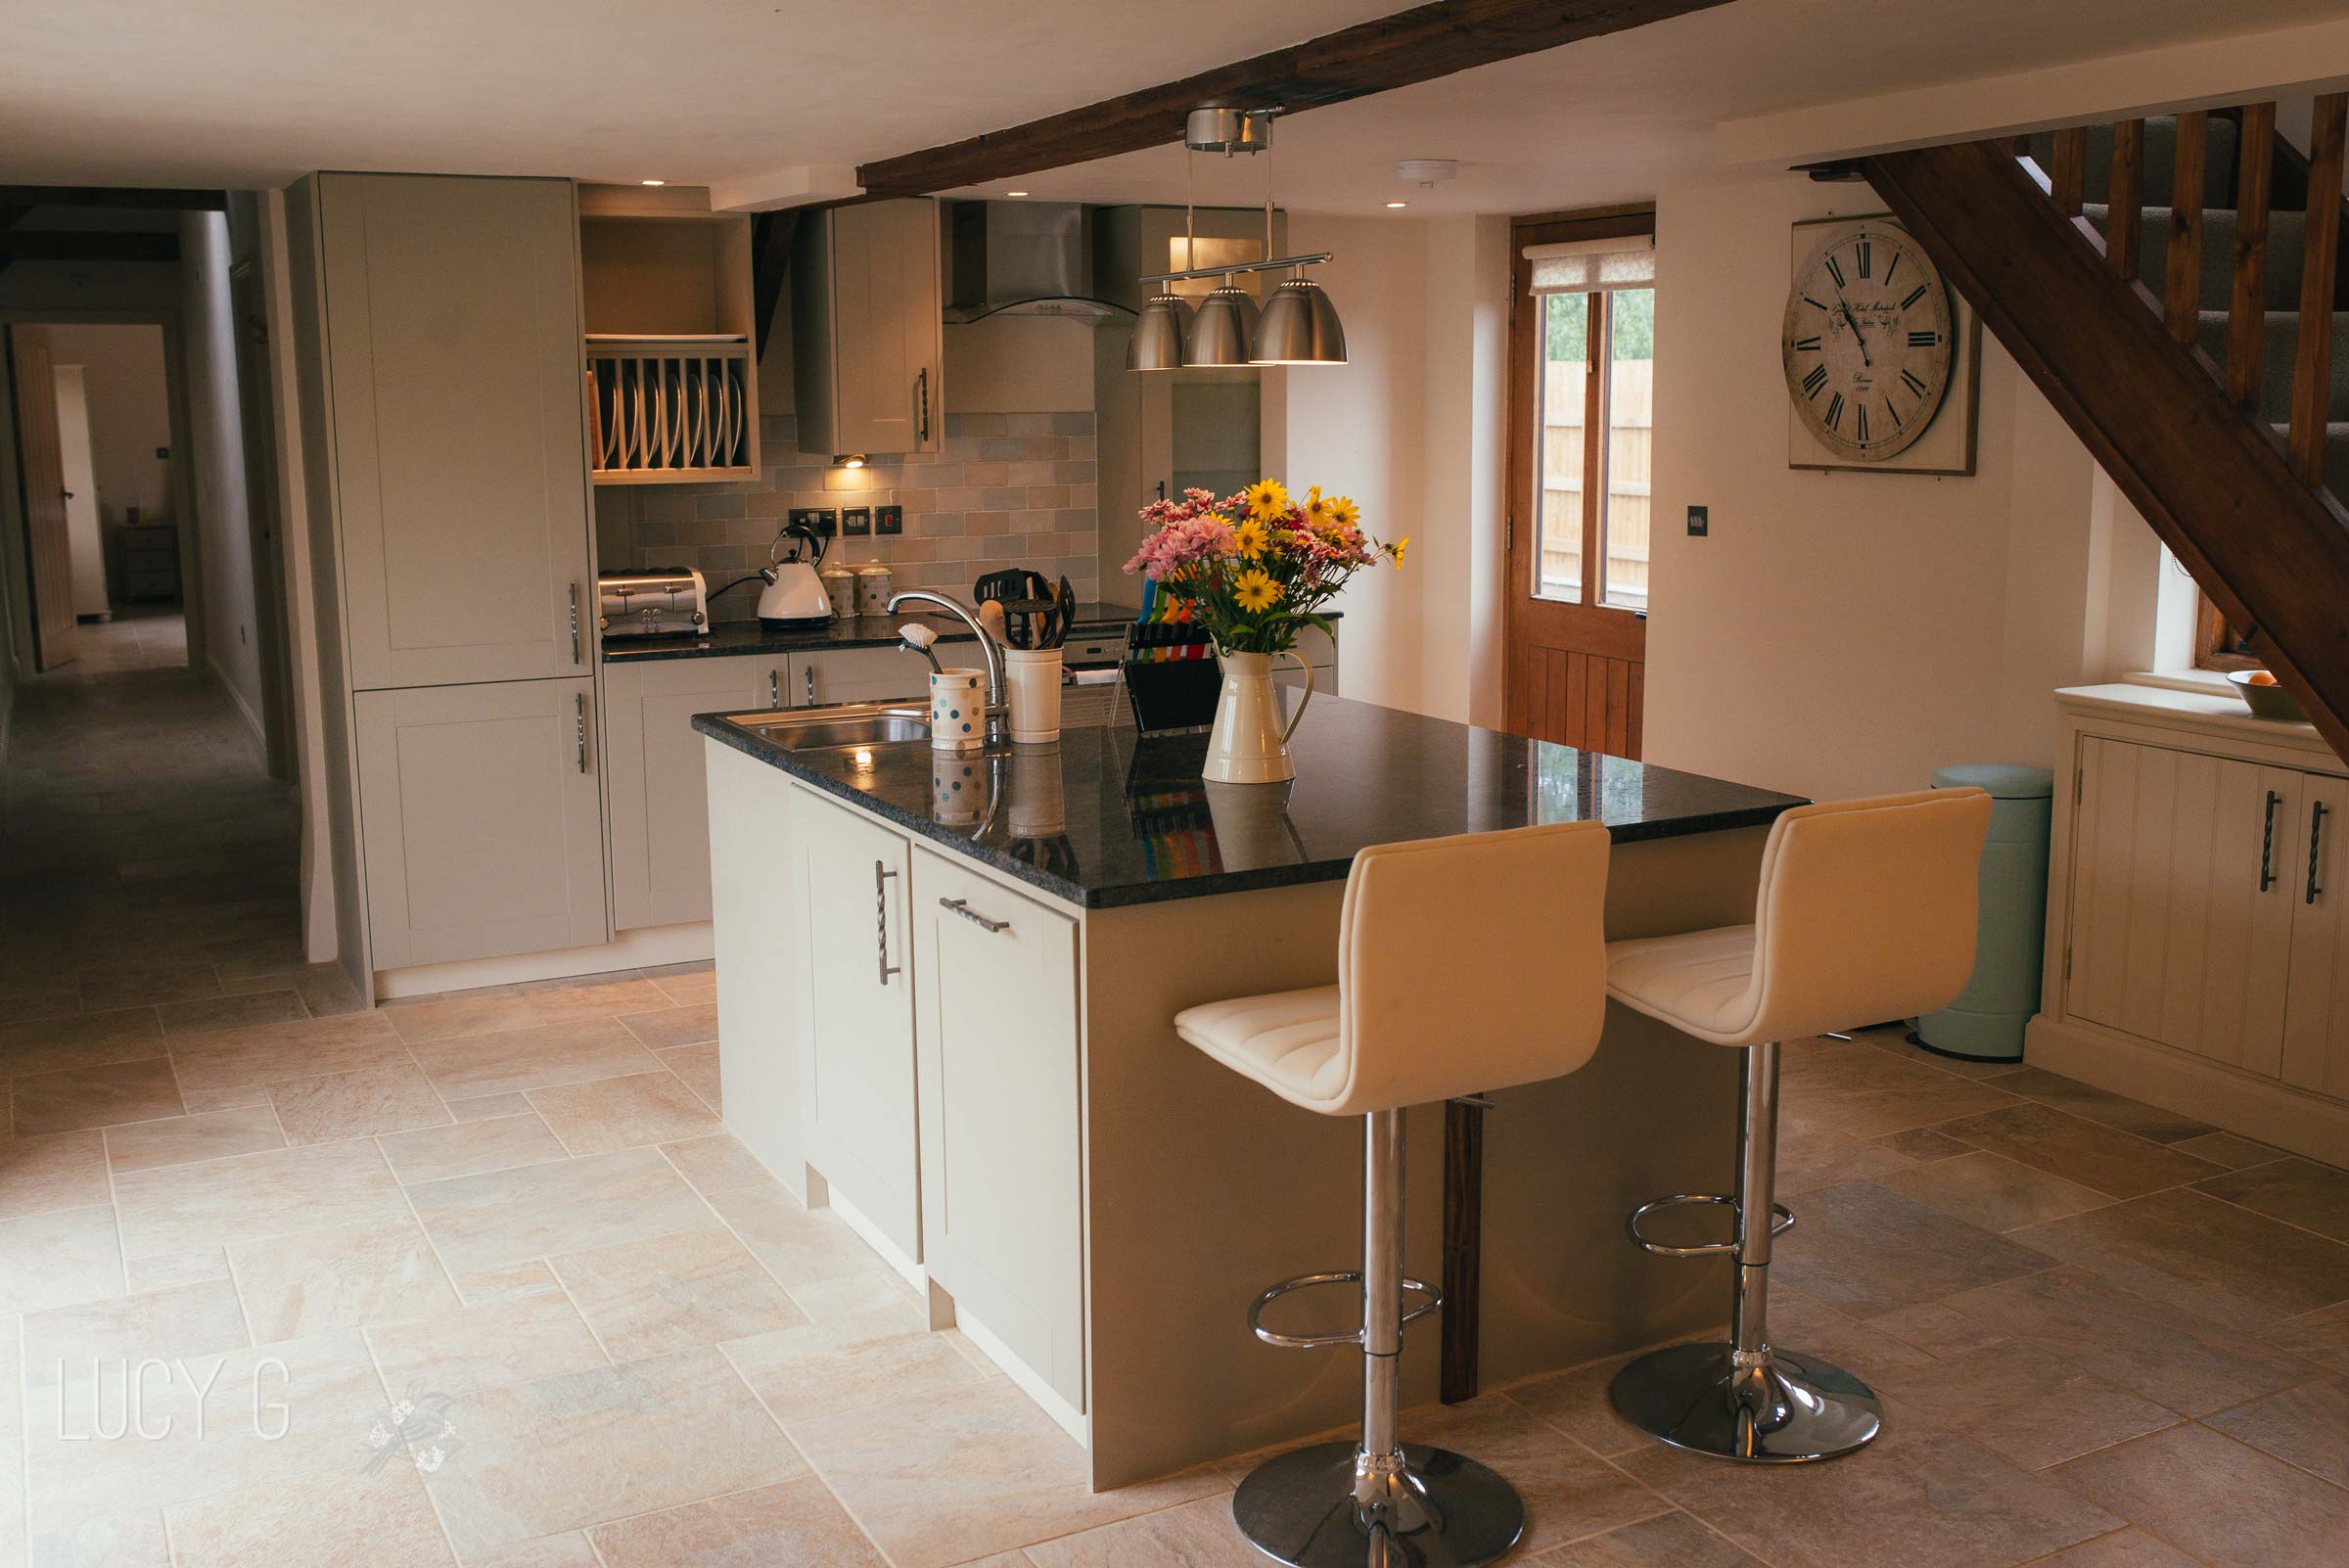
{"x":1316,"y":510}
{"x":1252,"y":537}
{"x":1401,"y":545}
{"x":1255,"y":591}
{"x":1344,"y":510}
{"x":1266,"y":500}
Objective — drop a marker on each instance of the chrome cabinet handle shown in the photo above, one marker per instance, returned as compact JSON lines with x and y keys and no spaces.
{"x":921,"y":391}
{"x":580,"y":715}
{"x":881,"y":876}
{"x":775,"y":689}
{"x":962,"y":907}
{"x":2267,"y":845}
{"x":2316,"y":841}
{"x":811,"y":673}
{"x":574,"y":622}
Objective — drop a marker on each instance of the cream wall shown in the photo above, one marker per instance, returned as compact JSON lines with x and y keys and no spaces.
{"x":130,"y":413}
{"x":223,"y":516}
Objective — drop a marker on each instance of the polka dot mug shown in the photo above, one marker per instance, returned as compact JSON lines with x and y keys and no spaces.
{"x":959,"y":711}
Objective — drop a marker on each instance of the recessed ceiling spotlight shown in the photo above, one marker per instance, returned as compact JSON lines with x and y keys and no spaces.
{"x":1015,"y":193}
{"x":1391,"y":206}
{"x":652,"y":182}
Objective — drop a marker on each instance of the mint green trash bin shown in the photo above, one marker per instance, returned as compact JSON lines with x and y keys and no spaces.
{"x":1985,"y":1024}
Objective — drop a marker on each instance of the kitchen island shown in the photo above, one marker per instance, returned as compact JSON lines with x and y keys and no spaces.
{"x":945,"y":994}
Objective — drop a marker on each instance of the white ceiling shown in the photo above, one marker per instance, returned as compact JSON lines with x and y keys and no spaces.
{"x":253,"y":92}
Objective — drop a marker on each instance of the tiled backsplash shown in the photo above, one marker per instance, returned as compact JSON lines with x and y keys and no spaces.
{"x":1008,"y":489}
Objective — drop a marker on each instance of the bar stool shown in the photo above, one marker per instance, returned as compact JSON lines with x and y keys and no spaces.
{"x":1464,"y":964}
{"x":1866,"y":912}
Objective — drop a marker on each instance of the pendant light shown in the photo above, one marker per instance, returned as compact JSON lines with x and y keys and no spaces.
{"x":1298,"y":326}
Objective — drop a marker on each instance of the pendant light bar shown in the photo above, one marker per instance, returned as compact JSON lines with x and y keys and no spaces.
{"x":1276,"y":265}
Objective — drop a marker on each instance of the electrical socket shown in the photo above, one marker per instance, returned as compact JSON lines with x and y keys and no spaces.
{"x":855,"y":522}
{"x":1700,"y":521}
{"x":823,"y":519}
{"x":889,"y":520}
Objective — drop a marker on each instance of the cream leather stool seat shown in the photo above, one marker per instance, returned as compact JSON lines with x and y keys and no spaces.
{"x":1867,"y":911}
{"x":1464,"y":964}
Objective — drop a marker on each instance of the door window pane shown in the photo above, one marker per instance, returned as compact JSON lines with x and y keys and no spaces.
{"x":1630,"y":440}
{"x":1558,"y":445}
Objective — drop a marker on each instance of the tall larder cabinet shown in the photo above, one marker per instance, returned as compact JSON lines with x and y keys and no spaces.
{"x":438,"y":327}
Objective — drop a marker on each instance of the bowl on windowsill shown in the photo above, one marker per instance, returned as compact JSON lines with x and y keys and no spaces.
{"x":2262,"y":694}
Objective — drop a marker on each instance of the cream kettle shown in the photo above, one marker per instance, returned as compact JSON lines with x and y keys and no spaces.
{"x":794,"y":595}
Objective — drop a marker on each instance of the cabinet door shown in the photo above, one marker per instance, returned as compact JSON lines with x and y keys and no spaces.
{"x":460,"y":460}
{"x":2315,"y":1026}
{"x":2181,"y":902}
{"x":657,"y":780}
{"x":870,"y":675}
{"x":888,"y":330}
{"x":1002,"y":1119}
{"x":861,"y":1126}
{"x":479,"y":813}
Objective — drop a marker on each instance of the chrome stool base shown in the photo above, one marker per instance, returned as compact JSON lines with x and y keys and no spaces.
{"x":1790,"y":1409}
{"x":1439,"y":1511}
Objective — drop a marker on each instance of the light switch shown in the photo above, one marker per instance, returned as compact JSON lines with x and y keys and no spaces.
{"x":1700,"y":521}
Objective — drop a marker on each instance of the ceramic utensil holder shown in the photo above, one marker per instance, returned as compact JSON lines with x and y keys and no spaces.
{"x":1033,"y":676}
{"x":959,"y":711}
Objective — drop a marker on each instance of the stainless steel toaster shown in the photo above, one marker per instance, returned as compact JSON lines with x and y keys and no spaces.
{"x":652,"y":603}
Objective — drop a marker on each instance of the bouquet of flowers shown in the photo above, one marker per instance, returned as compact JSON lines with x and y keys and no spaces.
{"x":1256,"y":566}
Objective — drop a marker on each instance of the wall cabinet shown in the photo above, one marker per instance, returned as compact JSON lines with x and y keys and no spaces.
{"x":478,"y":815}
{"x":1002,"y":1113}
{"x":868,"y":331}
{"x":655,"y":777}
{"x":2198,"y":956}
{"x":859,"y":1113}
{"x":452,"y":355}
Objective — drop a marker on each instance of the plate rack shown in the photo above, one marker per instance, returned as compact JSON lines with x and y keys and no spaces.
{"x":670,"y":410}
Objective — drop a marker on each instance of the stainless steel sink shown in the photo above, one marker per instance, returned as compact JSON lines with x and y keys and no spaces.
{"x":841,"y":727}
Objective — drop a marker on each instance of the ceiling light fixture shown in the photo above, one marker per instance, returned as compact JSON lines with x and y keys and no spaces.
{"x":652,"y":182}
{"x":1298,"y":326}
{"x":849,"y":460}
{"x":1015,"y":193}
{"x":1391,"y":205}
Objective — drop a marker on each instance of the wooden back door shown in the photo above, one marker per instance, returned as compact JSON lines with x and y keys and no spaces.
{"x":48,"y":546}
{"x":1581,"y":363}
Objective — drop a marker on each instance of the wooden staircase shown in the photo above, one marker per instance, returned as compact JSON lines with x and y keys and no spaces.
{"x":2174,"y":287}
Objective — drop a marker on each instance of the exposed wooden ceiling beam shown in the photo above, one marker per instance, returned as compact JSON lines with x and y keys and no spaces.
{"x":1411,"y":46}
{"x":88,"y":244}
{"x":138,"y":196}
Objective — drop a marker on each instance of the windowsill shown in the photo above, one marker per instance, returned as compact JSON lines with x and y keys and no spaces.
{"x":2205,"y":682}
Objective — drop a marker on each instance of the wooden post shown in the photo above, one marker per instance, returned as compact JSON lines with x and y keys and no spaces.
{"x":2248,"y":313}
{"x":2068,"y":179}
{"x":2312,"y":370}
{"x":2125,"y":226}
{"x":2183,"y":294}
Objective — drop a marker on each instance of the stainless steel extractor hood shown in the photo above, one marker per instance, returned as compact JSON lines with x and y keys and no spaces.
{"x":1024,"y":258}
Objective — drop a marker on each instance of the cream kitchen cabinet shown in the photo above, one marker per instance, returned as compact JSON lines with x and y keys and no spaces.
{"x":868,"y":675}
{"x":451,"y":355}
{"x":655,"y":778}
{"x":1001,"y":1113}
{"x":480,"y":822}
{"x":868,"y":334}
{"x":2196,"y":953}
{"x":859,"y":1113}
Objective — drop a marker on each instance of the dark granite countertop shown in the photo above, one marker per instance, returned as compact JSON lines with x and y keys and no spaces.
{"x":1108,"y":819}
{"x":731,"y":637}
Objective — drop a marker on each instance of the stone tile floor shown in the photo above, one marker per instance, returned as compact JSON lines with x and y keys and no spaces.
{"x":2110,"y":1337}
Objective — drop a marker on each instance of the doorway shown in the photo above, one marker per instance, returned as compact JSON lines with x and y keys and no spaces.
{"x":102,"y":496}
{"x":1582,"y":360}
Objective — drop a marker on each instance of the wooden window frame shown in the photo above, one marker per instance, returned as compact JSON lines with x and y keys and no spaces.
{"x":2213,"y":639}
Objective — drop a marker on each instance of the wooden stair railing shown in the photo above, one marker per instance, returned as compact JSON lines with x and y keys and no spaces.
{"x":2243,"y":508}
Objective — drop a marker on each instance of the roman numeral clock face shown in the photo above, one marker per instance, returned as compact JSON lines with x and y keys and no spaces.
{"x":1867,"y":342}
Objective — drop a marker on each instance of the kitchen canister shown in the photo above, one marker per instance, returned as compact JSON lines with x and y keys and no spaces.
{"x":874,"y":585}
{"x":959,"y":711}
{"x":1032,"y":678}
{"x":840,"y":586}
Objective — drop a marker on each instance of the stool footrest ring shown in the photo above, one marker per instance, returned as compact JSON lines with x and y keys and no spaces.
{"x":1256,"y":1310}
{"x":1781,"y":1222}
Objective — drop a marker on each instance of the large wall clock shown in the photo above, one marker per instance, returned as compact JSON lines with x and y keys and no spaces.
{"x":1874,"y":352}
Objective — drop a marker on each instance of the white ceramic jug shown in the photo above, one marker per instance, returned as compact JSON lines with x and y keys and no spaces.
{"x":1249,"y":743}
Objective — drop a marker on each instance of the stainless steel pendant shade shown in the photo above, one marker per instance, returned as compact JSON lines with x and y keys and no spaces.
{"x":1223,"y":333}
{"x":1161,"y":335}
{"x":1299,"y":327}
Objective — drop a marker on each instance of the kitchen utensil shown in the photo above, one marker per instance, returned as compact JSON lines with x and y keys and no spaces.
{"x":959,"y":711}
{"x":919,"y":637}
{"x":655,"y":602}
{"x":1013,"y":582}
{"x":875,"y":586}
{"x":794,"y":595}
{"x":2267,"y":700}
{"x":990,"y":619}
